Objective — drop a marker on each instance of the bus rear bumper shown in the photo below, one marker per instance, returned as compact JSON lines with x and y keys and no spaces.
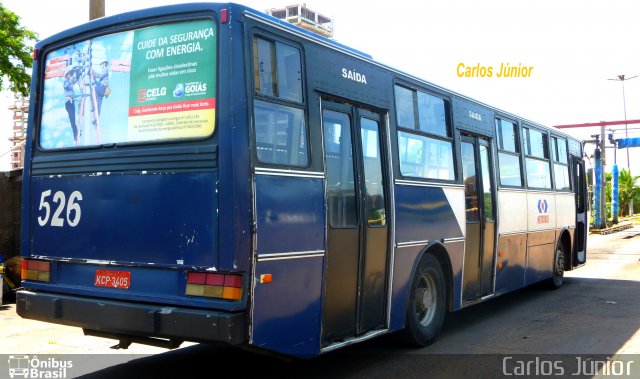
{"x":122,"y":318}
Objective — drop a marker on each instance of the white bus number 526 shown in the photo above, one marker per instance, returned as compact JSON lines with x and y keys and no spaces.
{"x":60,"y":203}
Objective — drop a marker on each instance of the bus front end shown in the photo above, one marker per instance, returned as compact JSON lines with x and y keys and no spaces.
{"x":129,"y":224}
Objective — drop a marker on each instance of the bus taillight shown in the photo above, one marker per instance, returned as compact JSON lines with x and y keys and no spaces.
{"x":224,"y":16}
{"x":36,"y":270}
{"x":221,"y":286}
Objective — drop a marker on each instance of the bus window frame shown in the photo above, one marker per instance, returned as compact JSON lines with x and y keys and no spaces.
{"x":124,"y":27}
{"x":519,"y":153}
{"x":252,"y":96}
{"x":420,"y":133}
{"x":526,"y":155}
{"x":558,"y":137}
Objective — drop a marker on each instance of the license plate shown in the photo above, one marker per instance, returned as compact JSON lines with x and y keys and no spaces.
{"x":113,"y":279}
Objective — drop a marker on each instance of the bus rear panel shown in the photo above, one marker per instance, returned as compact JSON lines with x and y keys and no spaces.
{"x":123,"y":192}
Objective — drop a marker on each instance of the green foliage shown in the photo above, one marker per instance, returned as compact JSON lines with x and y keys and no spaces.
{"x":15,"y":52}
{"x":628,"y":190}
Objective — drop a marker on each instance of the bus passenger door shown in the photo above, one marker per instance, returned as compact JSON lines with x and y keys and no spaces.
{"x":357,"y":231}
{"x":582,"y":213}
{"x":479,"y":260}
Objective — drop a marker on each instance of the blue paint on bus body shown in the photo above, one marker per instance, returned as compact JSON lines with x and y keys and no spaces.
{"x":160,"y":219}
{"x":511,"y":277}
{"x":424,"y":213}
{"x":235,"y":197}
{"x":286,"y":221}
{"x":147,"y":285}
{"x":287,"y":311}
{"x":404,"y":262}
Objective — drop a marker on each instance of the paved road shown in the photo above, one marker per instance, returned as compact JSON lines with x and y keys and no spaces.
{"x":595,"y":312}
{"x":624,"y":245}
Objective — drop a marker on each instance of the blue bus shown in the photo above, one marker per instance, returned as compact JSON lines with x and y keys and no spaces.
{"x":206,"y":172}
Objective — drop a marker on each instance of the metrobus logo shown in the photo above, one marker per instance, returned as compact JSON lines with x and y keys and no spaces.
{"x":543,"y":209}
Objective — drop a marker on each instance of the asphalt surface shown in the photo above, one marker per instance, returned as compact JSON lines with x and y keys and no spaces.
{"x":595,"y":314}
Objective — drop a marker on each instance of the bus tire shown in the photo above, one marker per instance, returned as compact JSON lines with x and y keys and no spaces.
{"x":557,"y":279}
{"x":427,"y":303}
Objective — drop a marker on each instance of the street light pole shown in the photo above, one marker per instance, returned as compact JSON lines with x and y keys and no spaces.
{"x":622,"y":79}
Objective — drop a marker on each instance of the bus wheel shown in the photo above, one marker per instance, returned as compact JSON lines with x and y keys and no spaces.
{"x":558,"y":268}
{"x":426,"y":306}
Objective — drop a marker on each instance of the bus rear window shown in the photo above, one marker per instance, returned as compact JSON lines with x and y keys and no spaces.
{"x":151,"y":84}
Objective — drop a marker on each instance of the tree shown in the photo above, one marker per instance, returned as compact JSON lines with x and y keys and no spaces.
{"x":629,"y":190}
{"x":15,"y":52}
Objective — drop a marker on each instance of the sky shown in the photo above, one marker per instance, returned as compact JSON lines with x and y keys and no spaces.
{"x":573,"y":47}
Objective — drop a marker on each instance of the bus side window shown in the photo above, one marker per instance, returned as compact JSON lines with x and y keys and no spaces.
{"x":508,"y":153}
{"x":341,"y":194}
{"x":289,"y":72}
{"x":277,"y":70}
{"x":374,"y":207}
{"x":264,"y":67}
{"x":281,"y":134}
{"x":425,"y":145}
{"x":560,"y":163}
{"x":280,"y":127}
{"x":469,"y":179}
{"x":537,"y":158}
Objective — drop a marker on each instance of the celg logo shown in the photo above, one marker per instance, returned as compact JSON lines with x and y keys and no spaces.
{"x":142,"y":96}
{"x":31,"y":367}
{"x":151,"y":94}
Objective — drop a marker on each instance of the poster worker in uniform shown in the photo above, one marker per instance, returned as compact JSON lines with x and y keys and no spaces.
{"x":70,"y":79}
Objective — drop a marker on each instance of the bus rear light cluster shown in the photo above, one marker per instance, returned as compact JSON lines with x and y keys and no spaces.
{"x":220,"y":286}
{"x":36,"y":270}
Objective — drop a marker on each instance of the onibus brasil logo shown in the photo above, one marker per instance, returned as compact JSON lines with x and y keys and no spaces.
{"x":31,"y":367}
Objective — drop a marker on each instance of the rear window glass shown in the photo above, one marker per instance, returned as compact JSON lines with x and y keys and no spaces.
{"x":151,"y":84}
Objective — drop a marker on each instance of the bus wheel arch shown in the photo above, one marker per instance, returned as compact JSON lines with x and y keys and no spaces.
{"x":561,"y":260}
{"x":429,"y":296}
{"x":565,"y":240}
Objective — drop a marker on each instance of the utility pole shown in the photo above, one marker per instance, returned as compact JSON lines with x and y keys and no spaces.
{"x":615,"y":193}
{"x":622,"y":79}
{"x":599,"y":189}
{"x":599,"y":141}
{"x":603,"y":192}
{"x":96,"y":9}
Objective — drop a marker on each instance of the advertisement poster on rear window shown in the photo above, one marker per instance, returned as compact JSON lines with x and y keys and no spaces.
{"x":145,"y":85}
